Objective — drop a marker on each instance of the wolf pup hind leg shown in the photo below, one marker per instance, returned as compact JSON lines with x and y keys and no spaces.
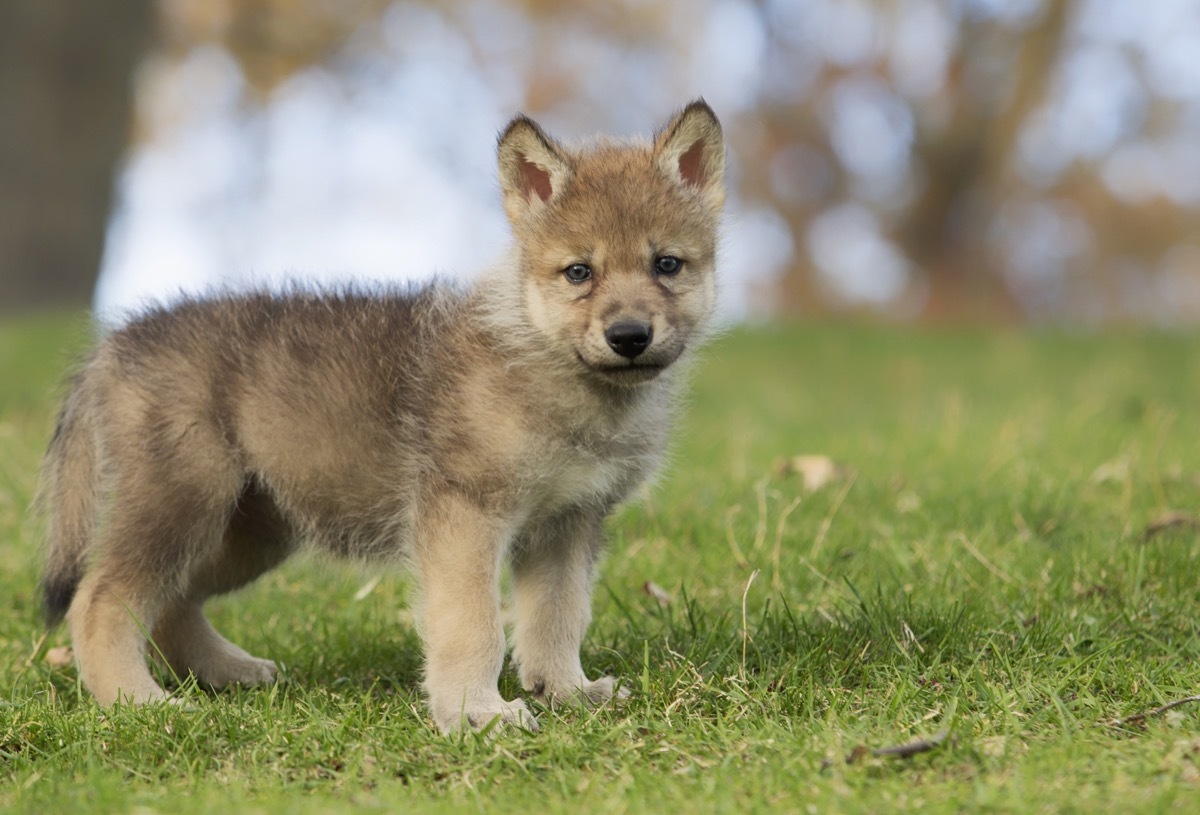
{"x":451,"y":429}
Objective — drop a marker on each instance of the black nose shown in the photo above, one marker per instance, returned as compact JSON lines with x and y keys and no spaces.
{"x":629,"y":337}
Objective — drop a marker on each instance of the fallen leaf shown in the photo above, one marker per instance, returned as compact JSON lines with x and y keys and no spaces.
{"x":657,"y":592}
{"x":859,"y":753}
{"x":365,"y":590}
{"x":815,"y":470}
{"x":60,"y":657}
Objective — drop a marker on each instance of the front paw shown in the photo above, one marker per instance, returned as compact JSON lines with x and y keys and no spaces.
{"x":592,"y":693}
{"x":492,"y":716}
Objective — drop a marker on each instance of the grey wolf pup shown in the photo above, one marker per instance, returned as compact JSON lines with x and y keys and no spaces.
{"x":450,"y":428}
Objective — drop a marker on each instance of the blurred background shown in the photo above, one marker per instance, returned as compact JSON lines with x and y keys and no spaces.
{"x":919,"y":160}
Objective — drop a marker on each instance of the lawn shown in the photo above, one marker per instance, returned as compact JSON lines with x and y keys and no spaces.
{"x":1002,"y":564}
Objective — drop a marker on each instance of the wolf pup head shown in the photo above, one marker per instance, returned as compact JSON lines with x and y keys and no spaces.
{"x":617,"y":242}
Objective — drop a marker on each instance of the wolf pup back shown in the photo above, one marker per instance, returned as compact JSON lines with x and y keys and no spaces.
{"x":449,"y":429}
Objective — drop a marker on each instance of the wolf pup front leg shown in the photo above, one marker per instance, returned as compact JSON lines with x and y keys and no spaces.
{"x":553,"y":569}
{"x":458,"y":552}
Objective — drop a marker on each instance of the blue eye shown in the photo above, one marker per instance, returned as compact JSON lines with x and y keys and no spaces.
{"x":668,"y":265}
{"x":578,"y":272}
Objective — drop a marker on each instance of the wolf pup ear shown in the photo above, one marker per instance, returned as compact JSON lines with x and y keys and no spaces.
{"x":691,"y":150}
{"x":533,"y":168}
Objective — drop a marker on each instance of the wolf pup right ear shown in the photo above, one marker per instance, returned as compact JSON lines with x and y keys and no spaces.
{"x":533,"y":169}
{"x":691,"y":150}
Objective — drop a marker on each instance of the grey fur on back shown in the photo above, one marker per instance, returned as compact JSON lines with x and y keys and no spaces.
{"x":387,"y":367}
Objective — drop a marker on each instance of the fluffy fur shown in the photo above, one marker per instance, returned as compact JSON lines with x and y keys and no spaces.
{"x":201,"y":444}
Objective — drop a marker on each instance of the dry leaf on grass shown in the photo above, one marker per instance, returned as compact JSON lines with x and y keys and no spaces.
{"x":60,"y":657}
{"x":657,"y":592}
{"x":860,"y":753}
{"x":365,"y":590}
{"x":815,"y":470}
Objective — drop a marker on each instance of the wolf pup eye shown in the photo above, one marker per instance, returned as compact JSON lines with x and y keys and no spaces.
{"x":578,"y":272}
{"x":668,"y":265}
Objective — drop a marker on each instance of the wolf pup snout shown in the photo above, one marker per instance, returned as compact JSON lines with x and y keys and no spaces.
{"x":451,"y":429}
{"x":629,"y":338}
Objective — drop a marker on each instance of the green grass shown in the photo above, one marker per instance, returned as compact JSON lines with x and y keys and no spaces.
{"x":983,"y":566}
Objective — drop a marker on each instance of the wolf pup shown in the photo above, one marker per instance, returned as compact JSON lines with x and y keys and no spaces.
{"x":450,"y":428}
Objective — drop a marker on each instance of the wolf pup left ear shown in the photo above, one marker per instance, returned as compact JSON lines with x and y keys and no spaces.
{"x":691,"y":150}
{"x":533,"y":168}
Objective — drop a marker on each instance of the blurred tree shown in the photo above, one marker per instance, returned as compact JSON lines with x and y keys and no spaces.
{"x":66,"y":107}
{"x":968,"y":161}
{"x":270,"y":39}
{"x":930,"y":158}
{"x":1049,"y":154}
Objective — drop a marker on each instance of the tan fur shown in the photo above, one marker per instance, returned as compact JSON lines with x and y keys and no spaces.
{"x":452,"y":429}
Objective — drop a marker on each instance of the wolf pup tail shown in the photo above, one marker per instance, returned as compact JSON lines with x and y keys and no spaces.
{"x":67,"y":498}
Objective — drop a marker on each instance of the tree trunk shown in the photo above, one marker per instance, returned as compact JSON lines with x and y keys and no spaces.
{"x":66,"y":109}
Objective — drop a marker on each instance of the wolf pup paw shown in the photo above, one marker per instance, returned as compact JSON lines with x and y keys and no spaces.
{"x":481,"y":717}
{"x":244,"y":670}
{"x":591,"y":693}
